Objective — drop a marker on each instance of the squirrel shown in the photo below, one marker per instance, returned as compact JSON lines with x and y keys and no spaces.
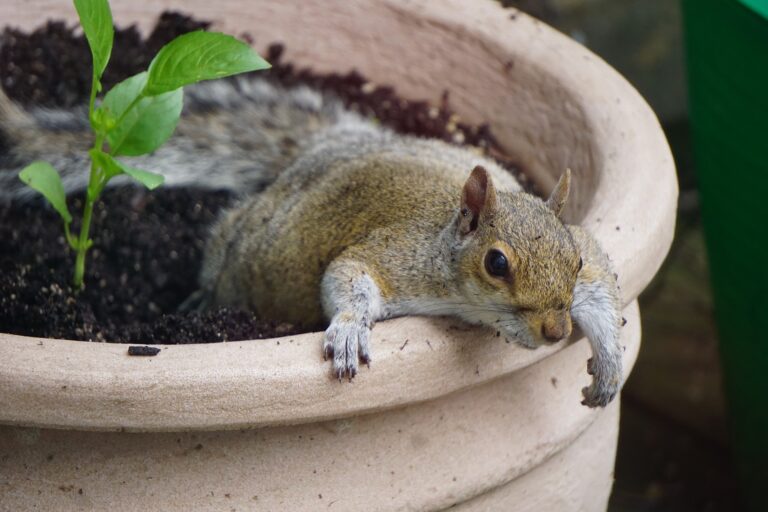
{"x":346,"y":221}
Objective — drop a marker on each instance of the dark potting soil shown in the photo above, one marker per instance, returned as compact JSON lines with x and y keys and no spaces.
{"x":148,"y":245}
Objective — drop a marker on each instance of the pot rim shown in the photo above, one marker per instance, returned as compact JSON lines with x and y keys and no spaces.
{"x":234,"y":385}
{"x":55,"y":383}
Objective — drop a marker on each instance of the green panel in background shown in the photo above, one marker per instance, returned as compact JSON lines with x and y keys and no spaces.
{"x":727,"y":49}
{"x":759,"y":6}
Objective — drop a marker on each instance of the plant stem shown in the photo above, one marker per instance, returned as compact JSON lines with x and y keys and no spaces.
{"x":92,"y":99}
{"x":96,"y":183}
{"x":83,"y":243}
{"x":71,"y":240}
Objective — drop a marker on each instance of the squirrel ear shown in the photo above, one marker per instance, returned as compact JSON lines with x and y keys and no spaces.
{"x":478,"y":197}
{"x":559,"y":195}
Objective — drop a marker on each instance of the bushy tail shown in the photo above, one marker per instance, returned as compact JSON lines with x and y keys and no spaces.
{"x":59,"y":137}
{"x":236,"y":134}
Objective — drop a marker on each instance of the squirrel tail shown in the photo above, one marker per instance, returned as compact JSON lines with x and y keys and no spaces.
{"x":14,"y":122}
{"x":236,"y":134}
{"x":59,"y":137}
{"x":10,"y":114}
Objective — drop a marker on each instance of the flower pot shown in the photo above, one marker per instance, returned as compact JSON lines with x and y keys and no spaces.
{"x":448,"y":415}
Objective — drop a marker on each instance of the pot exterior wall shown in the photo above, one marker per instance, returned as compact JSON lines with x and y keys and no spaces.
{"x":520,"y":442}
{"x":520,"y":439}
{"x":481,"y":449}
{"x":578,"y":479}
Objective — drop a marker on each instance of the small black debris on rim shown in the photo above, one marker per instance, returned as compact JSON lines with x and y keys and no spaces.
{"x":142,"y":350}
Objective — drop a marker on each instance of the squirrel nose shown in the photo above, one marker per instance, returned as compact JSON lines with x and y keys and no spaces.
{"x":555,"y":331}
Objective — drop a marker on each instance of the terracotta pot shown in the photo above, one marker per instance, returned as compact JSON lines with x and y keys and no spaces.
{"x":447,"y":414}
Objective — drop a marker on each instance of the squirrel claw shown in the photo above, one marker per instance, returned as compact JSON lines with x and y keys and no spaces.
{"x":599,"y":396}
{"x":343,"y":341}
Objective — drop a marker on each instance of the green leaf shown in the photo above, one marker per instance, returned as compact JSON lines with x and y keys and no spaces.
{"x":42,"y":177}
{"x":96,"y":20}
{"x":142,"y":124}
{"x":115,"y":167}
{"x":198,"y":56}
{"x":150,"y":180}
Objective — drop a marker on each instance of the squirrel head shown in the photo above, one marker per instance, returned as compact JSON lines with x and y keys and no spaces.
{"x":516,"y":261}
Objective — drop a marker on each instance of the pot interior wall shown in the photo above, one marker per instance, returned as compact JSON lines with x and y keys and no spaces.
{"x":538,"y":121}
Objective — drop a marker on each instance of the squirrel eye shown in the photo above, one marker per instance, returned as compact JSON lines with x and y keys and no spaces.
{"x":581,"y":264}
{"x":496,"y":263}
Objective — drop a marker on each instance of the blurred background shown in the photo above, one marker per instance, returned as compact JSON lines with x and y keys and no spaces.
{"x":683,"y":444}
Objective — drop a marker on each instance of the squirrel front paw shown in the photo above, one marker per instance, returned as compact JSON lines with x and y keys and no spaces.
{"x":346,"y":341}
{"x":606,"y":383}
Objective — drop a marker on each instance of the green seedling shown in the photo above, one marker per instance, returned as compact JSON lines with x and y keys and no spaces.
{"x":136,"y":116}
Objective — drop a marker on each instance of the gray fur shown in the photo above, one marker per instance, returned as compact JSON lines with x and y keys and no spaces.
{"x":352,"y":301}
{"x":599,"y":320}
{"x":235,"y":134}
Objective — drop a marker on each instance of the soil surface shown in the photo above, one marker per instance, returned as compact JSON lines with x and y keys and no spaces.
{"x":148,"y":245}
